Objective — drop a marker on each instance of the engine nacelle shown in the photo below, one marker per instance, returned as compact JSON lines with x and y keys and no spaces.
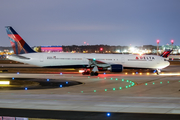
{"x":116,"y":68}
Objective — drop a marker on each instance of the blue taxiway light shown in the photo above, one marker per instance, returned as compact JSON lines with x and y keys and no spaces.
{"x":26,"y":88}
{"x":17,"y":72}
{"x":47,"y":79}
{"x":66,"y":82}
{"x":12,"y":78}
{"x":136,"y":72}
{"x":104,"y":73}
{"x":60,"y":86}
{"x":60,"y":73}
{"x":108,"y":114}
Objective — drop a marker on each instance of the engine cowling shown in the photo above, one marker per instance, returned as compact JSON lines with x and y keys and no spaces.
{"x":116,"y":68}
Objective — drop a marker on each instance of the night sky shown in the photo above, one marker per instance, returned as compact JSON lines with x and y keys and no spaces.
{"x":111,"y":22}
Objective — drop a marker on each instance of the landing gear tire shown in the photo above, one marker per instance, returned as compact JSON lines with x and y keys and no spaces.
{"x":94,"y":74}
{"x":158,"y":71}
{"x":86,"y":73}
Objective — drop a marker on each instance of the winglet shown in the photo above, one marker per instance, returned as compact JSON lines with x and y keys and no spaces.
{"x":18,"y":44}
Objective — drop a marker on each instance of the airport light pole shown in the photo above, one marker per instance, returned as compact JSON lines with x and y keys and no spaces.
{"x":157,"y":45}
{"x":172,"y":42}
{"x":101,"y":50}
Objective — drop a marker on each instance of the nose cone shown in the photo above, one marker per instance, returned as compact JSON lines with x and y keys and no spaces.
{"x":163,"y":64}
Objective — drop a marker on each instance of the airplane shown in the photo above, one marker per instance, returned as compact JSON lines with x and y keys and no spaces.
{"x":112,"y":62}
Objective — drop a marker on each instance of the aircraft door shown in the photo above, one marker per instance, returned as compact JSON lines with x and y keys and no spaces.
{"x":158,"y":61}
{"x":122,"y":60}
{"x":84,"y":60}
{"x":41,"y":57}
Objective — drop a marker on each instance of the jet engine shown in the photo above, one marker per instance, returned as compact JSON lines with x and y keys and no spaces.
{"x":116,"y":68}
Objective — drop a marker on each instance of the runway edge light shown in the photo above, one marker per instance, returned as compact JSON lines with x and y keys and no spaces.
{"x":108,"y":114}
{"x":4,"y":82}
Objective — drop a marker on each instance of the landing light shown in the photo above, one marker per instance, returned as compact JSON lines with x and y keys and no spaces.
{"x":80,"y":71}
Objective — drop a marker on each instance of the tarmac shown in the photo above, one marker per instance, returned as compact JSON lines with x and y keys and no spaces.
{"x":144,"y":93}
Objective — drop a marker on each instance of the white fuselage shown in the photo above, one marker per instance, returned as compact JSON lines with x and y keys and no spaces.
{"x":82,"y":59}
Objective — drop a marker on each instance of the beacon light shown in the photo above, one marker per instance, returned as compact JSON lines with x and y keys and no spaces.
{"x":172,"y":41}
{"x":157,"y":41}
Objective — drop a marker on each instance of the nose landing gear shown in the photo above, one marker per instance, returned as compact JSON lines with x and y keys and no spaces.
{"x":157,"y":71}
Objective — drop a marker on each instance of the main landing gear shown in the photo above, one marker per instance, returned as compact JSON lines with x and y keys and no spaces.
{"x":94,"y":72}
{"x":86,"y":72}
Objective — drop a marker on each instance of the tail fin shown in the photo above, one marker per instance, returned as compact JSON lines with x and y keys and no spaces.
{"x":18,"y":44}
{"x":166,"y":53}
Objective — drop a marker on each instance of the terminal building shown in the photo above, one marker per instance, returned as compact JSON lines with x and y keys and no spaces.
{"x":51,"y":49}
